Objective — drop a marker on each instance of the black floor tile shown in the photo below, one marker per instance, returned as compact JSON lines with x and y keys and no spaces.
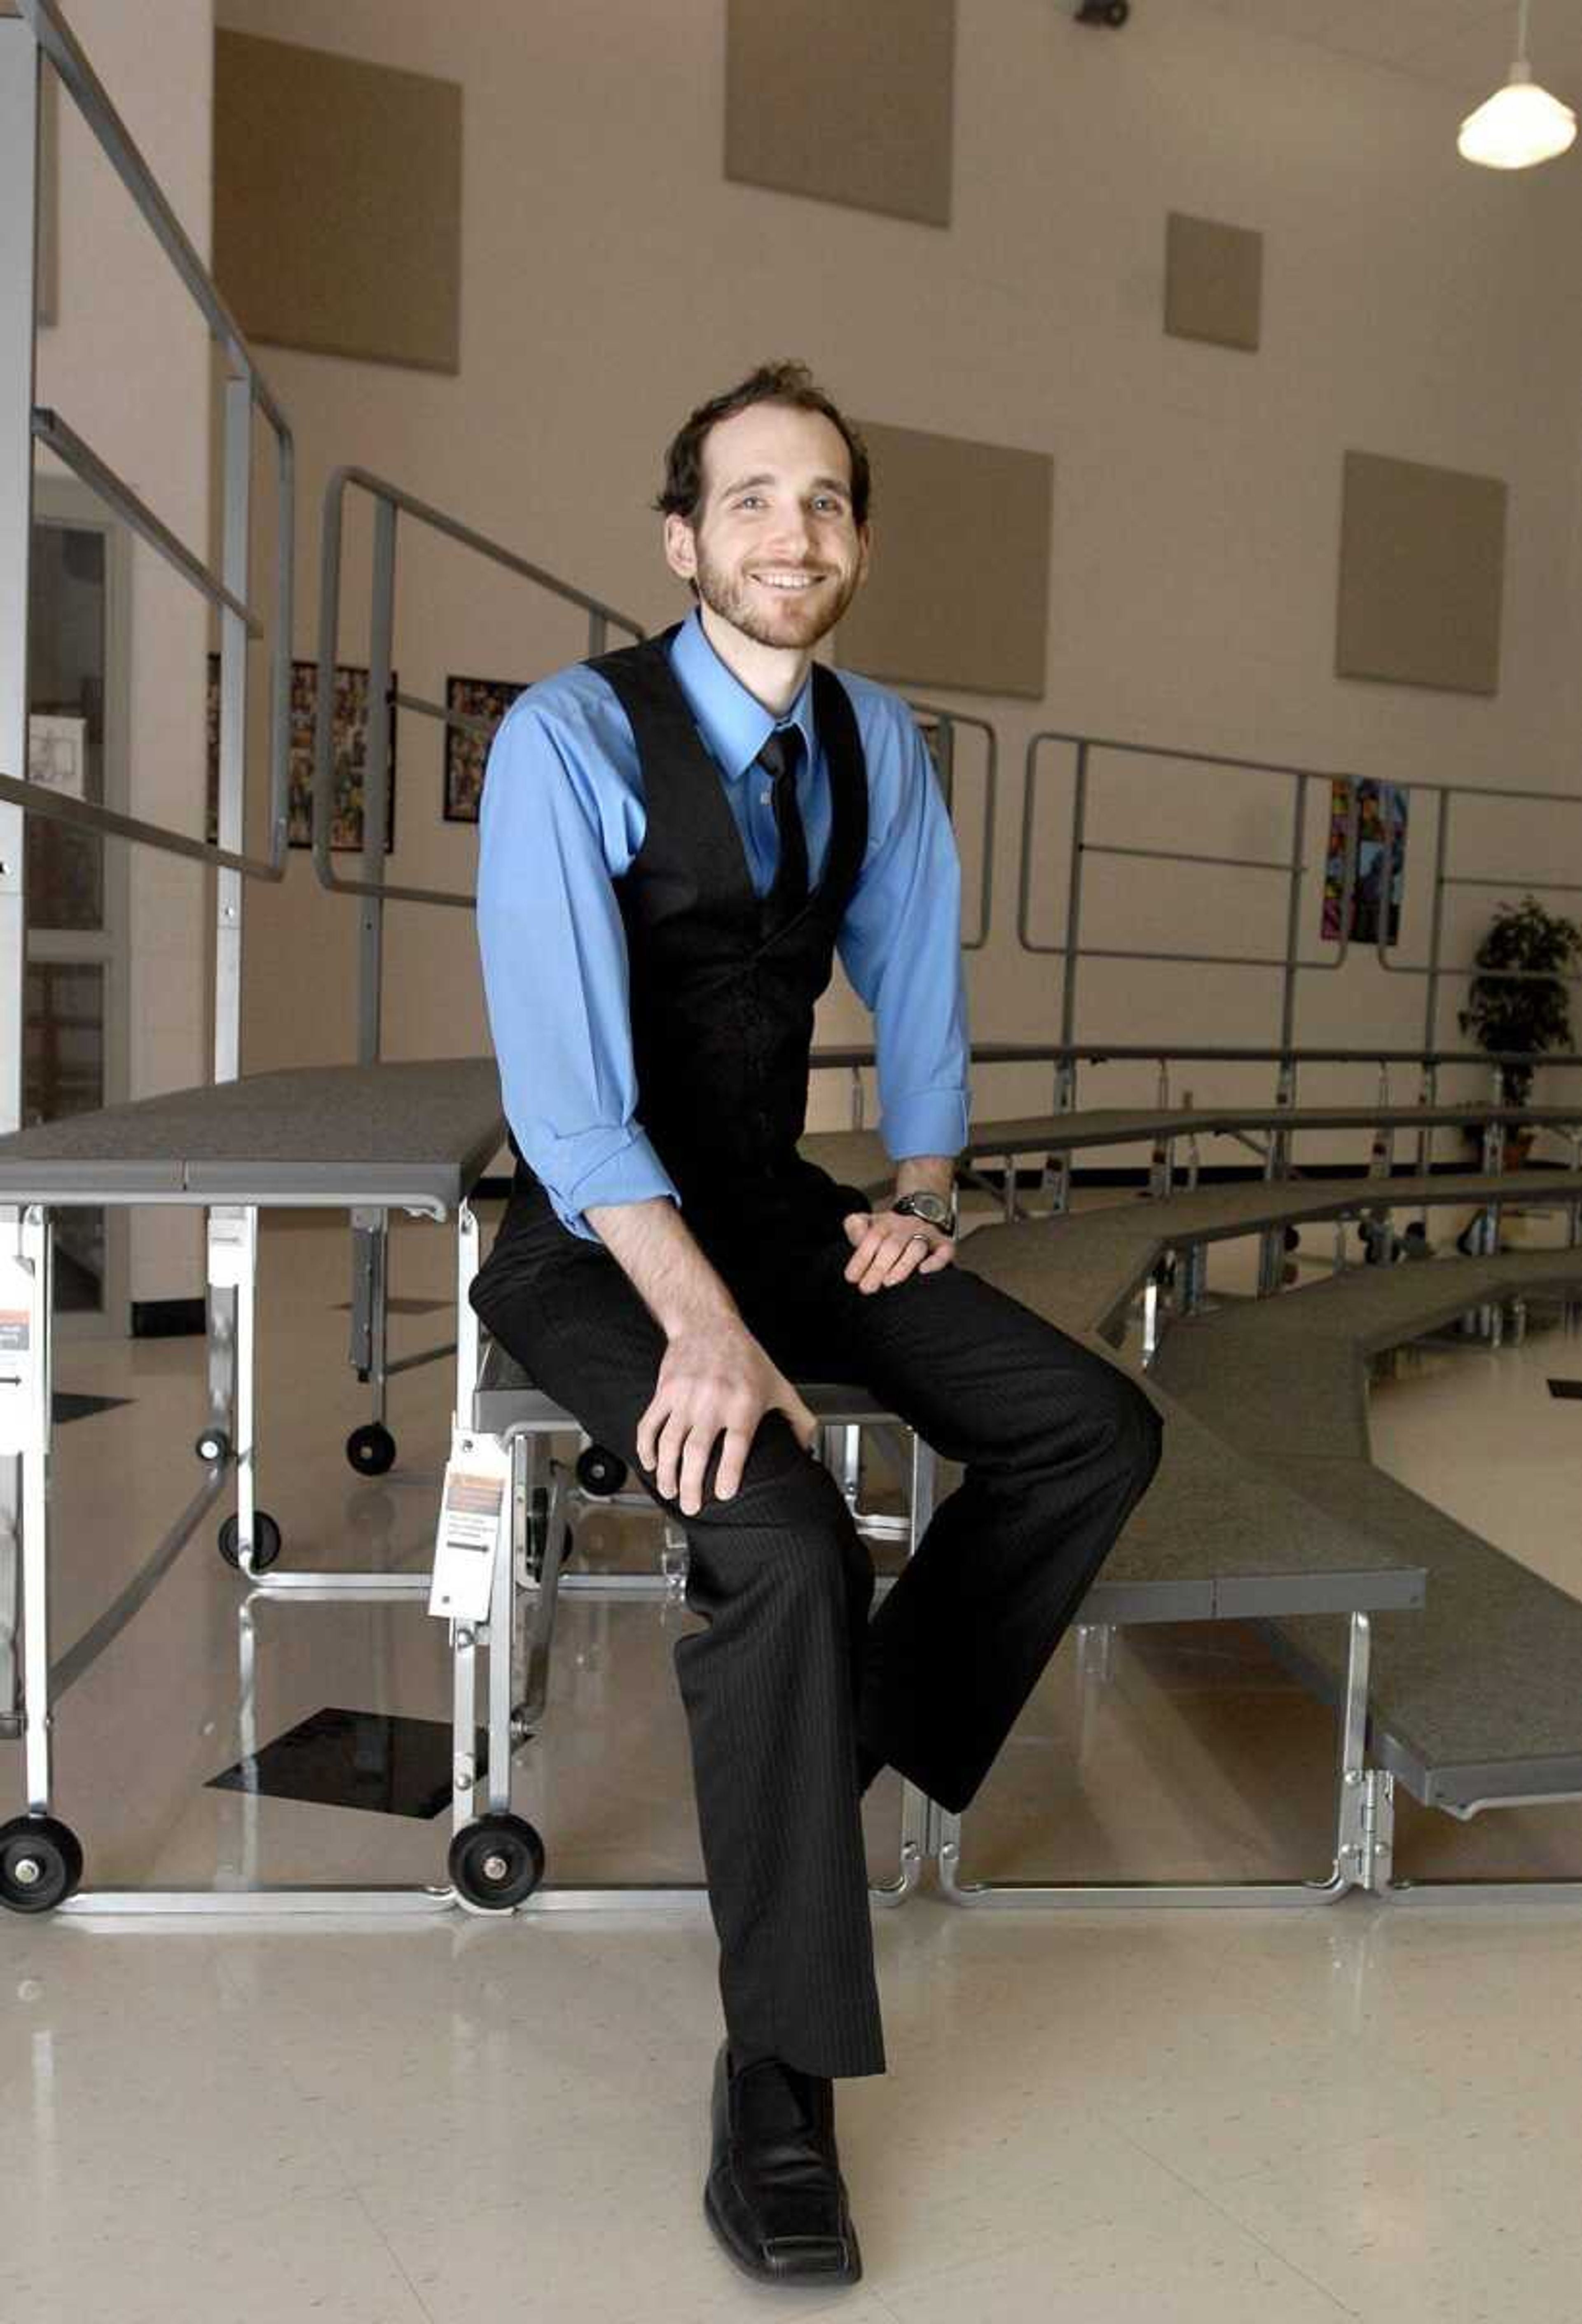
{"x":355,"y":1760}
{"x":68,"y":1406}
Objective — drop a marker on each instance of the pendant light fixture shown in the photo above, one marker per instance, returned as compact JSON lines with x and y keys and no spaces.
{"x":1521,"y":124}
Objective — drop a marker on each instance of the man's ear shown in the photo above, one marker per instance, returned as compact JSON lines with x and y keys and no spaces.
{"x":864,"y":551}
{"x":680,"y":548}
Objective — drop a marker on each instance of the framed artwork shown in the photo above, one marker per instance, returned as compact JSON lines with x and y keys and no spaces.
{"x":349,"y":749}
{"x":1380,"y":862}
{"x":467,"y":754}
{"x":57,"y":752}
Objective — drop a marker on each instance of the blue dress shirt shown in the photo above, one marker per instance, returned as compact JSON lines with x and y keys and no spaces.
{"x":563,"y":819}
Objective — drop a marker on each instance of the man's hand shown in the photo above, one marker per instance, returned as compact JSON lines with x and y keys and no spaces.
{"x":887,"y":1248}
{"x":715,"y":1381}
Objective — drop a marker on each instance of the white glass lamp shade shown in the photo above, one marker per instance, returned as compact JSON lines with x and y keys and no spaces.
{"x":1520,"y":126}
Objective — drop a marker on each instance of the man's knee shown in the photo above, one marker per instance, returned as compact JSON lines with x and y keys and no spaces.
{"x":1099,"y":1421}
{"x":804,"y":1545}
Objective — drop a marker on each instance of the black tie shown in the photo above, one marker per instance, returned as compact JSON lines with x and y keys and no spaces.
{"x":780,"y":756}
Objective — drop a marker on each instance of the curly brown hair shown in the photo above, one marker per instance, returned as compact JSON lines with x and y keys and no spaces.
{"x":772,"y":382}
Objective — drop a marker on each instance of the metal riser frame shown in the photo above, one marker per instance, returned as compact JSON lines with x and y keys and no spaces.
{"x":1361,"y":1843}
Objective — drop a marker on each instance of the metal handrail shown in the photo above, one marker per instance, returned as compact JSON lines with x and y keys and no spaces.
{"x":50,"y":431}
{"x":1291,"y":869}
{"x":950,"y":720}
{"x":1433,"y":968}
{"x":59,"y":44}
{"x":1071,"y":949}
{"x":389,"y":499}
{"x":57,"y":41}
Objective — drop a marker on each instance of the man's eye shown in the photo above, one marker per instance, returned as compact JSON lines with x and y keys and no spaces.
{"x":751,"y":499}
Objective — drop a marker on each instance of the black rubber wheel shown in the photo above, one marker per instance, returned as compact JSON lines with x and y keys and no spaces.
{"x":371,"y":1449}
{"x":212,"y":1447}
{"x":1117,"y":13}
{"x":600,"y":1472}
{"x":266,"y":1542}
{"x":41,"y":1864}
{"x":496,"y":1862}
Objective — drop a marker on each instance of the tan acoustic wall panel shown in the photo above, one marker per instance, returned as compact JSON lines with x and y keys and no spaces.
{"x":849,"y":103}
{"x":1213,"y":282}
{"x":1422,"y":572}
{"x":338,"y":203}
{"x":959,"y":593}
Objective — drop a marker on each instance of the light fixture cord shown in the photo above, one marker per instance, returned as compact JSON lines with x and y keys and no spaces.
{"x":1522,"y":55}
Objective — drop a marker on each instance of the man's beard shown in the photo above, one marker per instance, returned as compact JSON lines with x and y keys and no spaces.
{"x":813,"y":614}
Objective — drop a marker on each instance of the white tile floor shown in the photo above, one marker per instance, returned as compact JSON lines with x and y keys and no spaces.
{"x":1171,"y":2117}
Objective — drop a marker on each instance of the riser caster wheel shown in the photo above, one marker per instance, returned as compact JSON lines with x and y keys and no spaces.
{"x":600,"y":1472}
{"x":41,"y":1864}
{"x":213,"y":1447}
{"x":496,"y":1862}
{"x":266,"y":1542}
{"x":372,"y":1449}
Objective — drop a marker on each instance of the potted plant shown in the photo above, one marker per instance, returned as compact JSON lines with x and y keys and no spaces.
{"x":1528,"y":1013}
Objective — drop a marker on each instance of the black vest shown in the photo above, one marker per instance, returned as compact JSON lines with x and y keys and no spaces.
{"x":723,"y":1002}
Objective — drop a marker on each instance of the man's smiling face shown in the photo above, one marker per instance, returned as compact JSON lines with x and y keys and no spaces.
{"x":775,"y":550}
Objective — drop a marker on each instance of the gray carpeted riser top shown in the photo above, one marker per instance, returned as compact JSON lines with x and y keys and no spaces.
{"x":445,"y":1111}
{"x":1205,"y":1516}
{"x":1078,"y":1271}
{"x":858,"y":1157}
{"x":1294,"y":1366}
{"x":1486,"y":1674}
{"x":1086,"y":1266}
{"x":1260,"y":1390}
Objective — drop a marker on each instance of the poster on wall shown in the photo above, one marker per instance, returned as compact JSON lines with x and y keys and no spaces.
{"x":349,"y":753}
{"x":466,"y":750}
{"x":57,"y":754}
{"x":1380,"y":862}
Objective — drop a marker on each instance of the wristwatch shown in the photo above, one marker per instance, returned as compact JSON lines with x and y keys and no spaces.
{"x":931,"y":1209}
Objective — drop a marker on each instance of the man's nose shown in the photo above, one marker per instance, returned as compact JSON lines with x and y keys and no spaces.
{"x":790,"y":532}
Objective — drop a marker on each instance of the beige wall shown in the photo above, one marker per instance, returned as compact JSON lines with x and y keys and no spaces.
{"x":612,"y":276}
{"x":127,"y":364}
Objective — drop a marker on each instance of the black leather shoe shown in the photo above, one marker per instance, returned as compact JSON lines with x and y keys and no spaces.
{"x":775,"y":2196}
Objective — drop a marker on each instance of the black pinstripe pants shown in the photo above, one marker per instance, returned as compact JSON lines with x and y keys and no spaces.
{"x":787,"y":1677}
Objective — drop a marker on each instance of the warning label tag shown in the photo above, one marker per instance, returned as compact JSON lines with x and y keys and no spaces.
{"x":470,"y":1531}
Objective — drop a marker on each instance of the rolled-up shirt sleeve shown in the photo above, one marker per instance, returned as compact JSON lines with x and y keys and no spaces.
{"x":556,"y":974}
{"x":900,"y":943}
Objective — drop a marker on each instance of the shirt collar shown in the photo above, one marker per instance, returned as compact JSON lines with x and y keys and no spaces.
{"x":734,"y":723}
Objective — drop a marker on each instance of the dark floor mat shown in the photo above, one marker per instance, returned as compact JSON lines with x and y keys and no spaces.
{"x":68,"y":1406}
{"x":368,"y":1759}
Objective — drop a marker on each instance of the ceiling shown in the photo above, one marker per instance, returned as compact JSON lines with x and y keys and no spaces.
{"x":1464,"y":45}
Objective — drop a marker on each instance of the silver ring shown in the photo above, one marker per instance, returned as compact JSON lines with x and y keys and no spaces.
{"x":918,"y":1238}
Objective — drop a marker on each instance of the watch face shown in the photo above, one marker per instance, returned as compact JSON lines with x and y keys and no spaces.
{"x":933,"y":1208}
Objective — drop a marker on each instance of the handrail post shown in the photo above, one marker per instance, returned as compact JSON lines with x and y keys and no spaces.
{"x":598,"y":634}
{"x":236,"y":530}
{"x":1293,"y":916}
{"x":376,"y":785}
{"x":1067,"y":1009}
{"x":19,"y":130}
{"x":1436,"y":931}
{"x":19,"y":133}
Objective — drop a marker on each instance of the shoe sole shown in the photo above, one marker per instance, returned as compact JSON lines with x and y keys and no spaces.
{"x":851,"y":2273}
